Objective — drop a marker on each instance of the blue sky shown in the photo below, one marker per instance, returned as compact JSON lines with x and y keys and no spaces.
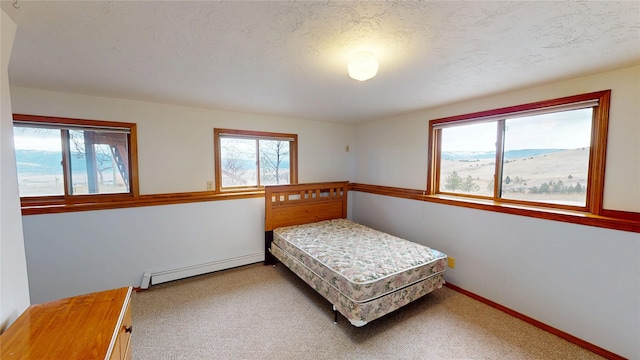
{"x":564,"y":130}
{"x":36,"y":139}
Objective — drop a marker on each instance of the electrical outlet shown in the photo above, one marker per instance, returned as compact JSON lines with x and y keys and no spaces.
{"x":209,"y":185}
{"x":451,"y":262}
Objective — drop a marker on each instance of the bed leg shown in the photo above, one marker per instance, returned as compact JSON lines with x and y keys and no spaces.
{"x":269,"y":259}
{"x":335,"y":315}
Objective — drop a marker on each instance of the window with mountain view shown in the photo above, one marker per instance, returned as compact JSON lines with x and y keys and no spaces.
{"x":549,"y":153}
{"x":249,"y":160}
{"x":68,"y":159}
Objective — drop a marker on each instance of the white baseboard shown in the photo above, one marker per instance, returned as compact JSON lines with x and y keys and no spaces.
{"x":154,"y":278}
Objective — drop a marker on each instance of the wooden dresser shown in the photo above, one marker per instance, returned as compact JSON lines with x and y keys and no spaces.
{"x":91,"y":326}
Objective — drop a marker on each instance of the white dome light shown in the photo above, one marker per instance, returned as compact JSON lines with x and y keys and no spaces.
{"x":363,"y":66}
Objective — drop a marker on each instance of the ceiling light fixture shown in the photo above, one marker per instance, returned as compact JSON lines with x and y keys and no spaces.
{"x":363,"y":66}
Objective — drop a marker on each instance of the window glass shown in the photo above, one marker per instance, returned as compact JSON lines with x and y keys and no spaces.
{"x":39,"y":161}
{"x":97,"y":162}
{"x":239,"y":165}
{"x":546,"y":157}
{"x":468,"y":159}
{"x":274,"y":162}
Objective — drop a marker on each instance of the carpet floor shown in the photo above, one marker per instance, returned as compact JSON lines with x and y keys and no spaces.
{"x":266,"y":312}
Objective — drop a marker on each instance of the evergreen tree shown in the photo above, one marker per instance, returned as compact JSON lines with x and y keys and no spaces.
{"x":544,"y":188}
{"x":453,"y":182}
{"x":468,"y":185}
{"x":558,"y":187}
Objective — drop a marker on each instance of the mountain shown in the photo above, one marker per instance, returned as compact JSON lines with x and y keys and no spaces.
{"x":509,"y":155}
{"x":49,"y":162}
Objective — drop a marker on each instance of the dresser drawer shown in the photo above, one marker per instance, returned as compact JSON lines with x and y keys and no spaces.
{"x":122,"y":344}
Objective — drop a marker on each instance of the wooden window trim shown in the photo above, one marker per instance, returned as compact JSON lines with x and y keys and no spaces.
{"x":597,"y":158}
{"x":57,"y":201}
{"x":293,"y":158}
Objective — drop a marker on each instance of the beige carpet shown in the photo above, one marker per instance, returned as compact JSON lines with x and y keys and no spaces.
{"x":265,"y":312}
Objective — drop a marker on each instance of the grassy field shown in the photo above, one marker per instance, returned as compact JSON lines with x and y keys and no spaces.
{"x":52,"y":184}
{"x":568,"y":166}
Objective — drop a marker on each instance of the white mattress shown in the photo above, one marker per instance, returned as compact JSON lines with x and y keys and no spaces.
{"x":361,"y":263}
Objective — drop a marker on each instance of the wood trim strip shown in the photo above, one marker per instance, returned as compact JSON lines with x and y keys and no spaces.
{"x":134,"y":183}
{"x":566,"y":336}
{"x":142,"y":200}
{"x":70,"y":121}
{"x":524,"y":107}
{"x":617,"y":214}
{"x":610,"y":219}
{"x":598,"y":154}
{"x":389,"y":191}
{"x":217,"y":161}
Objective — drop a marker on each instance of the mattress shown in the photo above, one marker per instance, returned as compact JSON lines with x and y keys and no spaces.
{"x":361,"y":263}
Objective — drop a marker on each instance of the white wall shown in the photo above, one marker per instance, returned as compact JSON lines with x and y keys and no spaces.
{"x":14,"y":284}
{"x":74,"y":253}
{"x":579,"y":279}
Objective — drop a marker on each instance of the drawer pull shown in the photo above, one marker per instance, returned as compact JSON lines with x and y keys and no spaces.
{"x":128,"y":329}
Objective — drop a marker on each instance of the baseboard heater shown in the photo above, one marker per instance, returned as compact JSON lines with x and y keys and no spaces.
{"x":154,"y":278}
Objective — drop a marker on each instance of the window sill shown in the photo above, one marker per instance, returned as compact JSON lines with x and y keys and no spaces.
{"x":617,"y":220}
{"x":140,"y":201}
{"x":575,"y":217}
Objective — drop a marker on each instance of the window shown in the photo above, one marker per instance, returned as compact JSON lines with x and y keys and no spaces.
{"x":62,"y":160}
{"x":549,"y":154}
{"x":249,"y":160}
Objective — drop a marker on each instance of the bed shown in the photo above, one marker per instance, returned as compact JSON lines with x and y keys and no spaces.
{"x":362,"y":272}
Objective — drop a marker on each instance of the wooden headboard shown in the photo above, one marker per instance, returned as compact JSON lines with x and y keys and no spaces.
{"x":296,"y":204}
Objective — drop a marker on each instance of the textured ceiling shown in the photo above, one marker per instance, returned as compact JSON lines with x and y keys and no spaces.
{"x":290,"y":58}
